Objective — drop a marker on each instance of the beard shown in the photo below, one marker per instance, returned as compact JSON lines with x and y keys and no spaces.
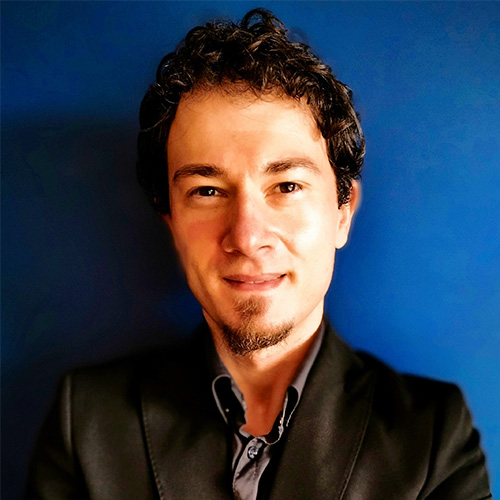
{"x":249,"y":336}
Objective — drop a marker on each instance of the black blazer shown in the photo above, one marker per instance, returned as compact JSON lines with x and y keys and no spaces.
{"x":149,"y":428}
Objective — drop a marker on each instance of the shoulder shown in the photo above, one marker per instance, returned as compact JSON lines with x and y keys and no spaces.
{"x":399,"y":393}
{"x":424,"y":408}
{"x":393,"y":394}
{"x":427,"y":422}
{"x":116,"y":385}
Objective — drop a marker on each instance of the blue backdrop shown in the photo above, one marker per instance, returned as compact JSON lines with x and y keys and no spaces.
{"x":88,"y":272}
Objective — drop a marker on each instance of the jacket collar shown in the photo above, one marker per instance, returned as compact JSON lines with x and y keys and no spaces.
{"x":328,"y":428}
{"x":185,"y":436}
{"x":189,"y":446}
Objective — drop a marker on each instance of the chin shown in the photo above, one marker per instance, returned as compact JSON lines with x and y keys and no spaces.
{"x":252,"y":336}
{"x":253,"y":330}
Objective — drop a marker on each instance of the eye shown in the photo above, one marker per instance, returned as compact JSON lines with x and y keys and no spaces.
{"x":204,"y":191}
{"x":289,"y":187}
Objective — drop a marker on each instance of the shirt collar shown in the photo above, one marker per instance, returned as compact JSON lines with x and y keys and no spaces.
{"x":292,"y":396}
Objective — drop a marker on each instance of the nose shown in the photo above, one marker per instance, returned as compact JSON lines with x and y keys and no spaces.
{"x":249,"y":229}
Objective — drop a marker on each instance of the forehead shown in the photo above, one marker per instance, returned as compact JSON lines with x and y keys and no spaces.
{"x":232,"y":97}
{"x":218,"y":125}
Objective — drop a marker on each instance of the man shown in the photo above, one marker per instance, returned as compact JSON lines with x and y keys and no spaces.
{"x":250,"y":149}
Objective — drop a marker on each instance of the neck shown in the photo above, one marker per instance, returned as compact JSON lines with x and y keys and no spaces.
{"x":264,"y":376}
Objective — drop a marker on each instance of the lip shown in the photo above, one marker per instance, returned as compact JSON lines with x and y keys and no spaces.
{"x":257,"y":282}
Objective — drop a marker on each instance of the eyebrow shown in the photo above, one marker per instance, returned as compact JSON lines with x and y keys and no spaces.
{"x":202,"y":170}
{"x":286,"y":164}
{"x":275,"y":167}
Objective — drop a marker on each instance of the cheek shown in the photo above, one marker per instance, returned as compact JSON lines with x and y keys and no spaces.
{"x":316,"y":227}
{"x":194,"y":239}
{"x":315,"y":239}
{"x":197,"y":232}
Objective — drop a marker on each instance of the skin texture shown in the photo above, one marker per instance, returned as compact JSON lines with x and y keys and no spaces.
{"x":254,"y":213}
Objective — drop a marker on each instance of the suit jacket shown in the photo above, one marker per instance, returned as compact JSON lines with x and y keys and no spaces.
{"x":149,"y":428}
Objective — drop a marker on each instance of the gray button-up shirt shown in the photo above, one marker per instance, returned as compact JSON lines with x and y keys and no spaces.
{"x":252,"y":454}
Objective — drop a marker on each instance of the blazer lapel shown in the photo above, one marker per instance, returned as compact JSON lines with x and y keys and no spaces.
{"x":185,"y":435}
{"x":328,"y":427}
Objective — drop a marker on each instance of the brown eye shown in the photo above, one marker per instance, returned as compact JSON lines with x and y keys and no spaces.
{"x":206,"y":191}
{"x":288,"y":187}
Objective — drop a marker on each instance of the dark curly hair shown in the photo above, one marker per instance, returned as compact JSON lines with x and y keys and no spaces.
{"x":254,"y":55}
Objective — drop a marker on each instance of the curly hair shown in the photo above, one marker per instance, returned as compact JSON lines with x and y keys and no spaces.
{"x":255,"y":55}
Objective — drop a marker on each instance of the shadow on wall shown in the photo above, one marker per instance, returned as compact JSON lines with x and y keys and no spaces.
{"x":89,"y":270}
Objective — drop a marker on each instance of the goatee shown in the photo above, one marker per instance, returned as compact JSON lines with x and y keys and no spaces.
{"x":249,"y":336}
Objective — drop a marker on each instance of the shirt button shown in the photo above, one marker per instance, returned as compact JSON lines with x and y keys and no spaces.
{"x":252,"y":452}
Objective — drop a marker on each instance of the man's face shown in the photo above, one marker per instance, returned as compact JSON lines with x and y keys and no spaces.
{"x":254,"y":214}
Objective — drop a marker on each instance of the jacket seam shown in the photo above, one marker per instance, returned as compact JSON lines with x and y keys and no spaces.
{"x":147,"y":434}
{"x":359,"y":441}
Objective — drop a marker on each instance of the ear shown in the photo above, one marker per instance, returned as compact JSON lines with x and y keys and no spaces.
{"x":167,"y":219}
{"x":169,"y":223}
{"x":347,"y":212}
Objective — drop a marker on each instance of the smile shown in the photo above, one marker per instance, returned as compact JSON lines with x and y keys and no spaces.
{"x":254,"y":283}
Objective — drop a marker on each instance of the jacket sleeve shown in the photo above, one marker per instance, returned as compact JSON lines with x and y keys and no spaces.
{"x":54,"y":473}
{"x":457,"y":470}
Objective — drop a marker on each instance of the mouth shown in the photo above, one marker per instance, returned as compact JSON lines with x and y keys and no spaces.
{"x":259,"y":282}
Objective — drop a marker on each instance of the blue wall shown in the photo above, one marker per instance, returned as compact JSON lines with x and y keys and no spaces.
{"x":88,"y":272}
